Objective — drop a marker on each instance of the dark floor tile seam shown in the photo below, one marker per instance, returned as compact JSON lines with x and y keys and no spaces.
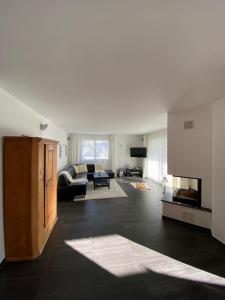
{"x":153,"y":238}
{"x":28,"y":276}
{"x":20,"y":278}
{"x":78,"y":285}
{"x":220,"y":268}
{"x":42,"y":276}
{"x":44,"y":269}
{"x":214,"y":287}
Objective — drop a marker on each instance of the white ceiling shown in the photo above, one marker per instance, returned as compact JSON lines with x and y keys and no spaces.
{"x":112,"y":66}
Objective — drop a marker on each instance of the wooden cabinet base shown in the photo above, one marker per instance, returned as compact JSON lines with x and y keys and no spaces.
{"x":35,"y":255}
{"x":30,"y":205}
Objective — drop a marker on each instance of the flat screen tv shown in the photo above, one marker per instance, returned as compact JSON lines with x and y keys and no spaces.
{"x":138,"y":152}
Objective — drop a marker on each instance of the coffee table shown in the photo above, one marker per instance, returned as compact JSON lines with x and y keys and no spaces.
{"x":101,"y":179}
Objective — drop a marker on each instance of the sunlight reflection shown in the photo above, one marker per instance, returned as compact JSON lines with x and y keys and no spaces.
{"x":122,"y":257}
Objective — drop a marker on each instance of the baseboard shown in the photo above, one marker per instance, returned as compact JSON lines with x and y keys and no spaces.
{"x":187,"y":224}
{"x":218,"y":238}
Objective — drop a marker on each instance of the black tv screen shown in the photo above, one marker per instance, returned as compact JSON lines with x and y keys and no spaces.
{"x":138,"y":152}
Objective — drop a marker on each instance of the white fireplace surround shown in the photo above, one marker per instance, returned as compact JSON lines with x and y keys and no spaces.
{"x":199,"y":152}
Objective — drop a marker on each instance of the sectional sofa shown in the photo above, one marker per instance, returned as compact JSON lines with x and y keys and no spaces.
{"x":67,"y":191}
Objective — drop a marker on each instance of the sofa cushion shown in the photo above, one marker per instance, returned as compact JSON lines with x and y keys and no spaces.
{"x":81,"y":180}
{"x":81,"y":175}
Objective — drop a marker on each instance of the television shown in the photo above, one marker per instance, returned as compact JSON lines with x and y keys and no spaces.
{"x":138,"y":152}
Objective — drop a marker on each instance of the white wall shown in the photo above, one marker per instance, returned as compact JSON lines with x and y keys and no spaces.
{"x":122,"y":150}
{"x":18,"y":119}
{"x":190,"y":150}
{"x":218,"y":218}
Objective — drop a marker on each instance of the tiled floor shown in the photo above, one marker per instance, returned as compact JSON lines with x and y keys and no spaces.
{"x":120,"y":249}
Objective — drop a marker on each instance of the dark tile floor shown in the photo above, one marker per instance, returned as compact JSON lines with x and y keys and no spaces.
{"x":120,"y":249}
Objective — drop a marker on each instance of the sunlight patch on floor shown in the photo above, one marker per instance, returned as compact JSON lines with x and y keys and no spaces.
{"x":121,"y":257}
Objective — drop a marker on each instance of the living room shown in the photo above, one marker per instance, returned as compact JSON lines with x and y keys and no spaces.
{"x":112,"y":150}
{"x":100,"y":159}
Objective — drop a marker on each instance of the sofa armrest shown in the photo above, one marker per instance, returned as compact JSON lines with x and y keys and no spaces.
{"x":68,"y":193}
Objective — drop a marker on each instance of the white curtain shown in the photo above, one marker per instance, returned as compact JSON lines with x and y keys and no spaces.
{"x":155,"y":166}
{"x":112,"y":152}
{"x":73,"y":148}
{"x":92,"y":149}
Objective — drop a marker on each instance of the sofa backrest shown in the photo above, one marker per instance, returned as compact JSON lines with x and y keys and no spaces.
{"x":71,"y":170}
{"x":91,"y":168}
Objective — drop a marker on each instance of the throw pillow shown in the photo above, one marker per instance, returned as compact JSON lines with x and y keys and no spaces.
{"x":99,"y":168}
{"x":76,"y":169}
{"x":80,"y":169}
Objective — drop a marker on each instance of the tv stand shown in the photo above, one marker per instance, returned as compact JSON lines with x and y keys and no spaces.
{"x":134,"y":172}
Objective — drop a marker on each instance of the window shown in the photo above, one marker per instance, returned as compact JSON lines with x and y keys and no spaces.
{"x":88,"y":150}
{"x":102,"y":149}
{"x":94,"y":150}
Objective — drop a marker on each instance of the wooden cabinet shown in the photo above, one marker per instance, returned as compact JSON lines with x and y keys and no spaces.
{"x":30,"y":207}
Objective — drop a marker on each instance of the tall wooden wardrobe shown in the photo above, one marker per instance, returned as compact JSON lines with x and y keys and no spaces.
{"x":30,"y":207}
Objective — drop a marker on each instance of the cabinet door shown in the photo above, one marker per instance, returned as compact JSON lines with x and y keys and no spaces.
{"x":49,"y":206}
{"x":17,"y":207}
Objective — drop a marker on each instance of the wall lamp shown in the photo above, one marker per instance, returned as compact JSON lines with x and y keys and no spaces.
{"x":43,"y":126}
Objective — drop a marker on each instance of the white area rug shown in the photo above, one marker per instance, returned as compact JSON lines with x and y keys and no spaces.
{"x":115,"y":191}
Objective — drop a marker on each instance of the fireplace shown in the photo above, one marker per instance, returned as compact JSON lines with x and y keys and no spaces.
{"x":187,"y":190}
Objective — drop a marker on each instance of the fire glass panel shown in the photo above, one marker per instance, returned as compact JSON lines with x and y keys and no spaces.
{"x":187,"y":190}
